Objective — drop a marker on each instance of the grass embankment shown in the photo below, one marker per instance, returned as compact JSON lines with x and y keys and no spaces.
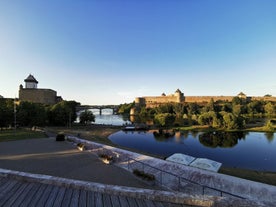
{"x":19,"y":134}
{"x":95,"y":133}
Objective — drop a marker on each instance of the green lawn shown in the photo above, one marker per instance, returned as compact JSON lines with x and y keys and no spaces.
{"x":19,"y":134}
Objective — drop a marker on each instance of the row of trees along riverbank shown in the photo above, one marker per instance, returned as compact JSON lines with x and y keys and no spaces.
{"x":237,"y":114}
{"x":35,"y":114}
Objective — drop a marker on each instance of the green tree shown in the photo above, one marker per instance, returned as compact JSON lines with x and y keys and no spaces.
{"x":125,"y":108}
{"x":164,"y":119}
{"x":209,"y":118}
{"x":31,"y":114}
{"x":255,"y":107}
{"x":269,"y":109}
{"x":165,"y":108}
{"x":86,"y":117}
{"x":229,"y":121}
{"x":63,"y":113}
{"x":193,"y":109}
{"x":6,"y":112}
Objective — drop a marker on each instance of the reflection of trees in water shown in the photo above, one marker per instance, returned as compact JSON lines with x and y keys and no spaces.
{"x":194,"y":134}
{"x":269,"y":136}
{"x":221,"y":139}
{"x":162,"y":135}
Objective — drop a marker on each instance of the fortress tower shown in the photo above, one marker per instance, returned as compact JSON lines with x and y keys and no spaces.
{"x":153,"y":101}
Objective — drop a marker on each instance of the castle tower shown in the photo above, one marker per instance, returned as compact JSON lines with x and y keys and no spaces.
{"x":179,"y":96}
{"x":30,"y":82}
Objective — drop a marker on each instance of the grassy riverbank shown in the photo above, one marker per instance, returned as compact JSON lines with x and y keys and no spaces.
{"x":210,"y":129}
{"x":19,"y":134}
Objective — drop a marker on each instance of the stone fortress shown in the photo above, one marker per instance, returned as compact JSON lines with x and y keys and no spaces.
{"x":178,"y":97}
{"x":37,"y":95}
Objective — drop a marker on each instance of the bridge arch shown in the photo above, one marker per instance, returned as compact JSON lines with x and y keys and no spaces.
{"x":114,"y":108}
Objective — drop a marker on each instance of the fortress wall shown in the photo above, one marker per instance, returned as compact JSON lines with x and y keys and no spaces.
{"x":45,"y":96}
{"x":261,"y":98}
{"x":154,"y":101}
{"x":199,"y":99}
{"x":160,"y":99}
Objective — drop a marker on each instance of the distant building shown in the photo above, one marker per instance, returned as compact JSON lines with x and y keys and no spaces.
{"x":1,"y":96}
{"x":37,"y":95}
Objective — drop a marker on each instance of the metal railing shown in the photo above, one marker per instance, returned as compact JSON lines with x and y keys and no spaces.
{"x":161,"y":177}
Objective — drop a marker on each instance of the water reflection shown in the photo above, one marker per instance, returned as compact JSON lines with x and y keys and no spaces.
{"x":249,"y":150}
{"x":269,"y":136}
{"x":107,"y":117}
{"x":221,"y":139}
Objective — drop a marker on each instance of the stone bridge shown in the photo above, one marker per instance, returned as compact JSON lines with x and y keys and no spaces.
{"x":99,"y":107}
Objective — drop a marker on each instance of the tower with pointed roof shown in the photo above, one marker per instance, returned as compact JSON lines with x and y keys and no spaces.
{"x":31,"y":82}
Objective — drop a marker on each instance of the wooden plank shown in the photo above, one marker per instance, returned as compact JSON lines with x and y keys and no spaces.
{"x":115,"y":200}
{"x":141,"y":202}
{"x":37,"y":196}
{"x":98,"y":199}
{"x":22,"y":195}
{"x":52,"y":197}
{"x":30,"y":194}
{"x":160,"y":204}
{"x":90,"y":198}
{"x":132,"y":202}
{"x":4,"y":182}
{"x":106,"y":200}
{"x":59,"y":197}
{"x":123,"y":201}
{"x":83,"y":198}
{"x":7,"y":187}
{"x":9,"y":192}
{"x":75,"y":198}
{"x":44,"y":197}
{"x":67,"y":197}
{"x":16,"y":194}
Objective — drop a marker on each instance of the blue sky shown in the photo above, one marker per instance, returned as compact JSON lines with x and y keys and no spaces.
{"x":109,"y":52}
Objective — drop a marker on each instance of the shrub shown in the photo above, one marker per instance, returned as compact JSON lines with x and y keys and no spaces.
{"x":143,"y":175}
{"x":60,"y":137}
{"x":105,"y":156}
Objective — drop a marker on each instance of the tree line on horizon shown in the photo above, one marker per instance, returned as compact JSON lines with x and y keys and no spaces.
{"x":228,"y":115}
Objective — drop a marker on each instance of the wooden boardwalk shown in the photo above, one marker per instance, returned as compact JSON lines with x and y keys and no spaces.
{"x":23,"y":193}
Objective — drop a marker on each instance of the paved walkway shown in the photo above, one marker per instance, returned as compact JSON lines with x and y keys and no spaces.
{"x":62,"y":159}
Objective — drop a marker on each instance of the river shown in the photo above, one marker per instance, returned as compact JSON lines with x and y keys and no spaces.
{"x":253,"y":150}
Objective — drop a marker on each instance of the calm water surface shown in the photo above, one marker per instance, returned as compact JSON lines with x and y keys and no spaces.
{"x":107,"y":118}
{"x":255,"y":151}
